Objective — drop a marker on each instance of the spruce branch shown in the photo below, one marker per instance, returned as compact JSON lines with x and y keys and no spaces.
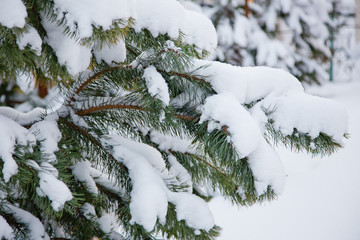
{"x":186,"y":117}
{"x":321,"y":145}
{"x":90,"y":110}
{"x":184,"y":75}
{"x":92,"y":139}
{"x":95,"y":77}
{"x":108,"y":107}
{"x":206,"y":162}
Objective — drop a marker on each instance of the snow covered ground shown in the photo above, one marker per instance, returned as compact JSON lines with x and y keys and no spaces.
{"x":321,"y":200}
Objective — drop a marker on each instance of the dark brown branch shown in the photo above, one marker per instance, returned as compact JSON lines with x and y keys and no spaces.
{"x":107,"y":107}
{"x":129,"y":107}
{"x":96,"y":76}
{"x":131,"y":51}
{"x":99,"y":74}
{"x":184,"y":76}
{"x":188,"y":118}
{"x":247,"y":9}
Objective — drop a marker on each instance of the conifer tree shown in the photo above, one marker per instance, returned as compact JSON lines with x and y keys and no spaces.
{"x":292,"y":35}
{"x":143,"y":128}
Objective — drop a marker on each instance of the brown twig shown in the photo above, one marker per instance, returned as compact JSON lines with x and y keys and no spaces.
{"x":206,"y":162}
{"x":225,"y":130}
{"x":185,"y":76}
{"x":188,"y":118}
{"x":129,"y":107}
{"x":96,"y":76}
{"x":107,"y":107}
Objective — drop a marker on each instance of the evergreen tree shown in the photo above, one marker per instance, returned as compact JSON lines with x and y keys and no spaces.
{"x":143,"y":129}
{"x":292,"y":35}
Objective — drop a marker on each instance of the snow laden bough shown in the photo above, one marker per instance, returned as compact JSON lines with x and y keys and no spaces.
{"x":158,"y":169}
{"x":145,"y":132}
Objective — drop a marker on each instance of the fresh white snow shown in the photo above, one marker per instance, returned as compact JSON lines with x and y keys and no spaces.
{"x":36,"y":228}
{"x":194,"y":210}
{"x":69,"y":52}
{"x":12,"y":133}
{"x":267,"y":168}
{"x":48,"y":133}
{"x":5,"y":229}
{"x":83,"y":15}
{"x":308,"y":114}
{"x":109,"y":53}
{"x":156,"y":85}
{"x":148,"y":184}
{"x":321,"y":197}
{"x":170,"y":17}
{"x":32,"y":38}
{"x":23,"y":118}
{"x":12,"y":13}
{"x":223,"y":110}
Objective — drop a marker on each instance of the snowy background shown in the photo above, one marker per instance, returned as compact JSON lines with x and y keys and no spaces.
{"x":321,"y":199}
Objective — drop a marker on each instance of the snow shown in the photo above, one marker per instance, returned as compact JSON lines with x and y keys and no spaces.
{"x":48,"y":133}
{"x":32,"y":38}
{"x":178,"y":170}
{"x":156,"y":85}
{"x":321,"y":197}
{"x":83,"y":15}
{"x":107,"y":223}
{"x":12,"y":133}
{"x":275,"y":89}
{"x":145,"y":151}
{"x":224,"y":77}
{"x":267,"y":169}
{"x":308,"y":114}
{"x":90,"y":176}
{"x":191,"y":208}
{"x":5,"y":229}
{"x":225,"y":32}
{"x":23,"y":118}
{"x":241,"y":30}
{"x":36,"y":230}
{"x":247,"y":84}
{"x":109,"y":53}
{"x":168,"y":142}
{"x":50,"y":186}
{"x":12,"y":13}
{"x":223,"y":110}
{"x":69,"y":52}
{"x":270,"y":80}
{"x":88,"y":210}
{"x":166,"y":17}
{"x":146,"y":182}
{"x":199,"y":31}
{"x":82,"y":172}
{"x":190,"y":5}
{"x":170,"y":17}
{"x":56,"y":190}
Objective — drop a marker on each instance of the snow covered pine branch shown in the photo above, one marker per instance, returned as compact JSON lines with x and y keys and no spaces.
{"x":146,"y":132}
